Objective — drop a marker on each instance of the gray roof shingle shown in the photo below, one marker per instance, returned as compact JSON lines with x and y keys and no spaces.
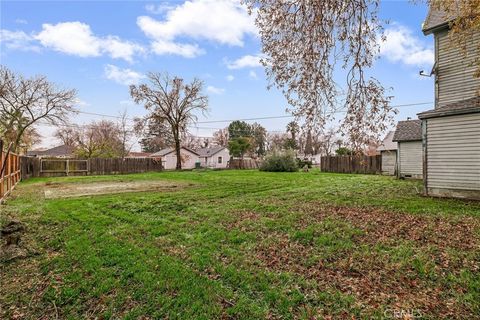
{"x":208,"y":152}
{"x":58,"y":151}
{"x":436,"y":18}
{"x":410,"y":130}
{"x":471,"y":105}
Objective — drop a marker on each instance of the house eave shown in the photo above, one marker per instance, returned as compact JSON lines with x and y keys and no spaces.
{"x":437,"y":28}
{"x":446,"y":113}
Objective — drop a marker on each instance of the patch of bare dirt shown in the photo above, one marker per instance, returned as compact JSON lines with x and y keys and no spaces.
{"x":69,"y":190}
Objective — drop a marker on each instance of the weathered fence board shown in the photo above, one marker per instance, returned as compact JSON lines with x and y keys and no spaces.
{"x":35,"y":167}
{"x":352,"y":164}
{"x":9,"y":171}
{"x":29,"y":167}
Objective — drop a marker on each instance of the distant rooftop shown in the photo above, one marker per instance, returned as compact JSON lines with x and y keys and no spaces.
{"x":166,"y":151}
{"x":58,"y":151}
{"x":387,"y":143}
{"x":409,"y":130}
{"x":208,"y":152}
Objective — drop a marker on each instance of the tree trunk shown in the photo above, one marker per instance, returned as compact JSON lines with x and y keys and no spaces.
{"x":177,"y":151}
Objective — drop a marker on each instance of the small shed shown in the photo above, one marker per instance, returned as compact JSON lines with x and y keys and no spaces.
{"x":169,"y":158}
{"x":388,"y":150}
{"x":408,"y":135}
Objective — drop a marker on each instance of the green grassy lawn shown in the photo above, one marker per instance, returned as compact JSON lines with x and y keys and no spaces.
{"x":246,"y":245}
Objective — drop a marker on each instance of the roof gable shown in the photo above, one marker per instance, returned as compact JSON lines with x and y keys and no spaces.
{"x":410,"y":130}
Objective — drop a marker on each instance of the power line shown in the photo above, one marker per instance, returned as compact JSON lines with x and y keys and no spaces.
{"x":250,"y":119}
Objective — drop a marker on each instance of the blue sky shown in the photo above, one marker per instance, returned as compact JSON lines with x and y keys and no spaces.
{"x":99,"y":47}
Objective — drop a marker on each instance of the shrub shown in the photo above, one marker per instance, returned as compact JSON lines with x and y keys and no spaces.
{"x":280,"y":161}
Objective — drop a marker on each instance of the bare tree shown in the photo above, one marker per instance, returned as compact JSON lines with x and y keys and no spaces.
{"x":276,"y":141}
{"x":192,"y":142}
{"x":304,"y":41}
{"x":67,"y":135}
{"x":328,"y":141}
{"x":220,"y":137}
{"x":26,"y":101}
{"x":170,"y":99}
{"x":125,"y":133}
{"x":101,"y":139}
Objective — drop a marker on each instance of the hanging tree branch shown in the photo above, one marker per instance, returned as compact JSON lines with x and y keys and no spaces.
{"x":304,"y":42}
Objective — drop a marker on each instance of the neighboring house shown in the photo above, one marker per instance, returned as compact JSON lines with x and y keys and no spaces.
{"x":451,"y":131}
{"x":138,"y":155}
{"x":169,"y":158}
{"x":62,"y":151}
{"x":409,"y":153}
{"x":388,"y":150}
{"x":215,"y":157}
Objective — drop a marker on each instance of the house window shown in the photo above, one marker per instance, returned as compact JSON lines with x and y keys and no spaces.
{"x":219,"y":160}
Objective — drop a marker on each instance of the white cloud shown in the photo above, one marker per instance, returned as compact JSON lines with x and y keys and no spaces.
{"x":252,"y":74}
{"x":120,"y":49}
{"x":76,"y":38}
{"x":248,"y":61}
{"x":230,"y":77}
{"x":215,"y":90}
{"x":122,"y":76}
{"x":161,"y":47}
{"x":402,"y":46}
{"x":21,"y":21}
{"x":158,"y":8}
{"x":221,"y":21}
{"x":18,"y":40}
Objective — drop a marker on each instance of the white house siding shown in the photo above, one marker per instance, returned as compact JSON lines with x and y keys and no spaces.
{"x":389,"y":162}
{"x":213,"y":161}
{"x":410,"y":159}
{"x":455,"y":71}
{"x":453,"y":156}
{"x":169,"y":161}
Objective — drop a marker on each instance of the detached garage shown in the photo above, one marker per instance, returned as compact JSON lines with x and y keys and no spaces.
{"x":388,"y":150}
{"x":408,"y":135}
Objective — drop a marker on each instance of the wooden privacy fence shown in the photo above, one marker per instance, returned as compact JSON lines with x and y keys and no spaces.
{"x":352,"y":164}
{"x":35,"y":167}
{"x":9,"y":171}
{"x":244,"y":164}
